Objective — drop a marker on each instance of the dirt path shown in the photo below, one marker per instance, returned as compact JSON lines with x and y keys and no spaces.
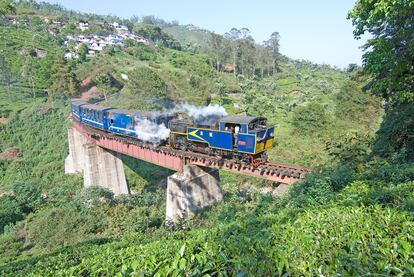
{"x":87,"y":89}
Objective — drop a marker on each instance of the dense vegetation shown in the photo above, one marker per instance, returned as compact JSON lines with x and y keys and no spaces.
{"x":352,"y":216}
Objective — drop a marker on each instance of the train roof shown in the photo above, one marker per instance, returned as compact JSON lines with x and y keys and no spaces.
{"x":95,"y":107}
{"x":240,"y":119}
{"x":78,"y":101}
{"x":137,"y":113}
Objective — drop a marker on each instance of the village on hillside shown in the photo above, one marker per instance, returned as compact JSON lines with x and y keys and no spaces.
{"x":94,"y":42}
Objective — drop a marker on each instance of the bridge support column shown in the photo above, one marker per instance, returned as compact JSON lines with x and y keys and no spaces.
{"x":74,"y":163}
{"x":100,"y":167}
{"x":194,"y":188}
{"x":104,"y":168}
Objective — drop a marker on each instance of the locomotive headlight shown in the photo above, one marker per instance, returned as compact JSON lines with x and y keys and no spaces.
{"x":271,"y":134}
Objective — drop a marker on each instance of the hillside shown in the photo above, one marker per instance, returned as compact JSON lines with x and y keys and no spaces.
{"x":351,"y":216}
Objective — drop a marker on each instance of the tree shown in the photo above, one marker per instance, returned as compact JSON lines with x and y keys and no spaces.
{"x":389,"y":60}
{"x":389,"y":54}
{"x":310,"y":119}
{"x":272,"y":47}
{"x":216,"y":45}
{"x":105,"y":83}
{"x":6,"y":7}
{"x":82,"y":52}
{"x":234,"y":35}
{"x":147,"y":83}
{"x":65,"y":82}
{"x":6,"y":76}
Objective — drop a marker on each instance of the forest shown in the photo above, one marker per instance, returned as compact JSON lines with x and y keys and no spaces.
{"x":354,"y":127}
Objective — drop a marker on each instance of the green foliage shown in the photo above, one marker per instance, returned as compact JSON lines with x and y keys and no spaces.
{"x":10,"y":212}
{"x":395,"y":138}
{"x":355,"y":105}
{"x":155,"y":33}
{"x":350,"y":148}
{"x":95,"y":196}
{"x":27,"y":196}
{"x":6,"y":7}
{"x":82,"y":52}
{"x":106,"y":84}
{"x":147,"y":83}
{"x":140,"y":50}
{"x":65,"y":83}
{"x":310,"y":119}
{"x":389,"y":53}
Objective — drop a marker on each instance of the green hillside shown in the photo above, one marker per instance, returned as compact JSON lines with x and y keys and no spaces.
{"x":352,"y":216}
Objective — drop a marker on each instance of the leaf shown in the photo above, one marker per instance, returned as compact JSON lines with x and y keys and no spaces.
{"x":182,"y":250}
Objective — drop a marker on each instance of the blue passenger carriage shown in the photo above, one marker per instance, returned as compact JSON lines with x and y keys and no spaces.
{"x":94,"y":115}
{"x":75,"y":108}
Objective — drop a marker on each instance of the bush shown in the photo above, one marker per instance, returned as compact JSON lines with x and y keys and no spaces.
{"x":58,"y":197}
{"x":10,"y":212}
{"x":395,"y":138}
{"x":27,"y":196}
{"x":95,"y":196}
{"x":141,"y":51}
{"x":310,"y":119}
{"x":147,"y":83}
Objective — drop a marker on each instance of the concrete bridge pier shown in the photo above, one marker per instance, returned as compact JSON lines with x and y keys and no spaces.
{"x":104,"y":168}
{"x":100,"y":167}
{"x":74,"y":163}
{"x":188,"y":191}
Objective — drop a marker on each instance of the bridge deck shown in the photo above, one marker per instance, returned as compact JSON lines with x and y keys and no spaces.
{"x":175,"y":160}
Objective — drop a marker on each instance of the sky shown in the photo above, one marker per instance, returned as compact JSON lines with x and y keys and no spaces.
{"x":316,"y":30}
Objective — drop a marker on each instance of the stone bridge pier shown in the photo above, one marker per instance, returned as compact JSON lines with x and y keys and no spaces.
{"x":187,"y":191}
{"x":100,"y":167}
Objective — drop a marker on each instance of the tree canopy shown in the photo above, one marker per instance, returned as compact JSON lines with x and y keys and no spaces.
{"x":389,"y":53}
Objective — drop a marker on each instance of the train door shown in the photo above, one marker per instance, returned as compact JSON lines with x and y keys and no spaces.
{"x":105,"y":120}
{"x":234,"y":128}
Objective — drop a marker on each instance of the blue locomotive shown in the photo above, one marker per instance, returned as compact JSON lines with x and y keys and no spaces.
{"x":238,"y":137}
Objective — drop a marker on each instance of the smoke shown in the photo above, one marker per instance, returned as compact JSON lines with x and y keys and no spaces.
{"x":207,"y":115}
{"x":149,"y":131}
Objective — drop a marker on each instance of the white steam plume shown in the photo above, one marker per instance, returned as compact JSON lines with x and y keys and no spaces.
{"x":207,"y":115}
{"x":149,"y":131}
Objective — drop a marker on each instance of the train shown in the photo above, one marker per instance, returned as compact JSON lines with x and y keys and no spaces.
{"x":238,"y":137}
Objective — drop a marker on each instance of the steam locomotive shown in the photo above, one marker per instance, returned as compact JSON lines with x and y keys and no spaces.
{"x":238,"y":137}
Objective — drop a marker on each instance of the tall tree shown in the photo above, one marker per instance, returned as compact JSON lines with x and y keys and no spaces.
{"x":216,"y":46}
{"x":234,"y":35}
{"x":65,"y":82}
{"x":389,"y":54}
{"x":389,"y":59}
{"x":272,"y":46}
{"x":82,"y":52}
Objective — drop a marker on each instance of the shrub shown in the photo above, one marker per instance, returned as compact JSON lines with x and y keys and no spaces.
{"x":147,"y":83}
{"x":10,"y":212}
{"x":310,"y":119}
{"x":95,"y":196}
{"x":27,"y":196}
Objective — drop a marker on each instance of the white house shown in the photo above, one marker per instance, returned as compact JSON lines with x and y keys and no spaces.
{"x":82,"y":25}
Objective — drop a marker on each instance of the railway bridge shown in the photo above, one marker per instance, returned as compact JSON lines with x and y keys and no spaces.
{"x":195,"y":184}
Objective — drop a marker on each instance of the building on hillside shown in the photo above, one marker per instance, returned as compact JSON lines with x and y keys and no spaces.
{"x":71,"y":55}
{"x":82,"y":25}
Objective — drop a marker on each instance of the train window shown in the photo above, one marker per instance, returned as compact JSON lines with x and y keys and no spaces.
{"x":112,"y":121}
